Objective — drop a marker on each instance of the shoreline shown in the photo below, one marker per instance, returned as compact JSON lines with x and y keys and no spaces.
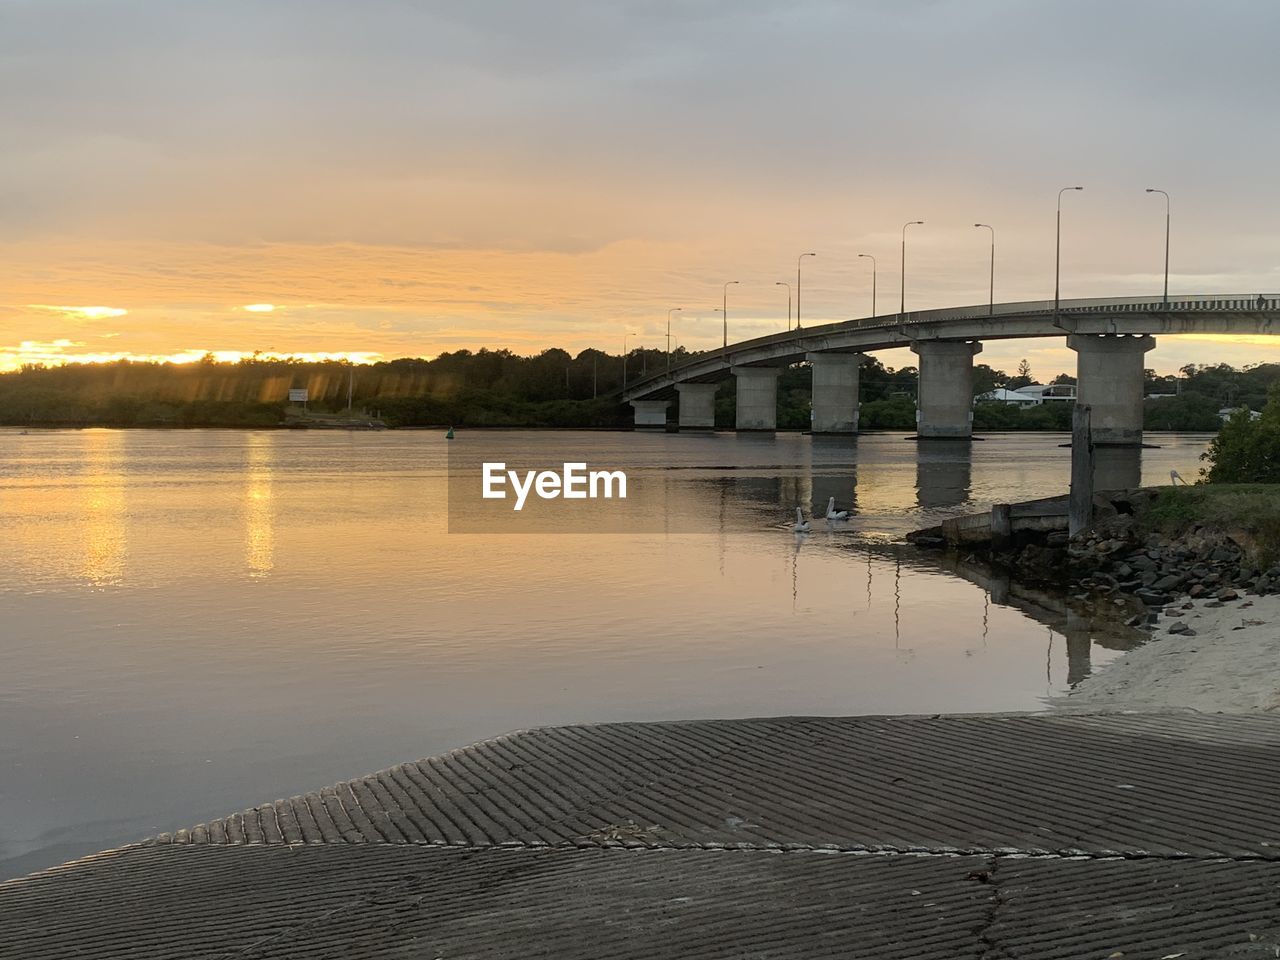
{"x":1205,"y":658}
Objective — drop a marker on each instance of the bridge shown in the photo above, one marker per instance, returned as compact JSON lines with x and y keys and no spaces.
{"x":1109,"y":336}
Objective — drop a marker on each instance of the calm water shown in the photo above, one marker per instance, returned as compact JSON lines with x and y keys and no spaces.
{"x":193,"y":622}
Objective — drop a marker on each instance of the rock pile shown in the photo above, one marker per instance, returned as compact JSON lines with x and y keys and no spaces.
{"x":1115,"y":558}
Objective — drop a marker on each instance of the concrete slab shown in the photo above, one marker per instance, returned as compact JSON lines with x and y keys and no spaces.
{"x":1029,"y":836}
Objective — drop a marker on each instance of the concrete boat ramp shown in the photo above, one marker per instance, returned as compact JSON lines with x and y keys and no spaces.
{"x":986,"y":837}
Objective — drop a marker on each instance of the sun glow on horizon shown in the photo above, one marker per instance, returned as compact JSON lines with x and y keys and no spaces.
{"x":259,"y":307}
{"x":54,"y":354}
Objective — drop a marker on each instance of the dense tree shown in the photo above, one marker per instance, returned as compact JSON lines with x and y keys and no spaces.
{"x":1191,"y":411}
{"x":1248,"y":450}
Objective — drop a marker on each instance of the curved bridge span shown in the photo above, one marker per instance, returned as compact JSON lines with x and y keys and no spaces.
{"x":1110,"y":337}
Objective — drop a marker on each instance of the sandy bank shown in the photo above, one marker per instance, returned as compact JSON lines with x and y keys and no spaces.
{"x":1231,"y":664}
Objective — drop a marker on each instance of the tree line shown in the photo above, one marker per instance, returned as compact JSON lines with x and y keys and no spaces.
{"x":550,"y":389}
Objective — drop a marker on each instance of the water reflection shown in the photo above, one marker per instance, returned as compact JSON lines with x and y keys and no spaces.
{"x":259,"y":508}
{"x":1081,"y":628}
{"x":841,"y":487}
{"x":944,"y":473}
{"x":102,"y":508}
{"x":431,"y":640}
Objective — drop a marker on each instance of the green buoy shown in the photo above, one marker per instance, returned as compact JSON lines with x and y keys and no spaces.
{"x":449,"y":435}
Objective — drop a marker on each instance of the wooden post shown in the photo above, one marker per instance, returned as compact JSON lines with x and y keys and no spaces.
{"x":1001,"y":526}
{"x":1080,"y":503}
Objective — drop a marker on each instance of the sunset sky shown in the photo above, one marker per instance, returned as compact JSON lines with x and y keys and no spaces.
{"x":397,"y":178}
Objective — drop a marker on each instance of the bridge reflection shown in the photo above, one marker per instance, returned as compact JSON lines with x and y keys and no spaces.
{"x":944,"y":474}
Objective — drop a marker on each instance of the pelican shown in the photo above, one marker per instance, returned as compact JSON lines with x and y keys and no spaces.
{"x":833,"y":513}
{"x":802,"y":525}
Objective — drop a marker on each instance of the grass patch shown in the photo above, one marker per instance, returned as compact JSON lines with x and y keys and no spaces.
{"x":1249,"y":508}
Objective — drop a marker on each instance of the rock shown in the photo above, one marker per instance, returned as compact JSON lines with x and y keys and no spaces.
{"x":1057,"y":538}
{"x":1215,"y":603}
{"x":1170,"y":581}
{"x":1151,"y":597}
{"x":1178,"y":627}
{"x":1196,"y":589}
{"x":1228,"y":595}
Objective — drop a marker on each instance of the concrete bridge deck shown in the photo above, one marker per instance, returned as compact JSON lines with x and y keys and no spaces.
{"x":1028,"y":836}
{"x":1110,"y":336}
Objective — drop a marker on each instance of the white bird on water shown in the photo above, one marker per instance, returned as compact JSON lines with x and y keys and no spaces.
{"x":833,"y":513}
{"x":802,"y":525}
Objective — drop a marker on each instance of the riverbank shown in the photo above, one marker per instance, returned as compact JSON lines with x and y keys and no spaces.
{"x":1194,"y":566}
{"x":1208,"y":656}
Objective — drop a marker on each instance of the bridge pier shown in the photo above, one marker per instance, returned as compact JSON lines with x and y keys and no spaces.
{"x":835,"y":392}
{"x":650,"y":414}
{"x":757,"y":397}
{"x":1109,"y":380}
{"x":697,"y":405}
{"x":944,"y":409}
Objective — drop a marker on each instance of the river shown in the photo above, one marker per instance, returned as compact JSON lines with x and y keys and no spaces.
{"x":197,"y":621}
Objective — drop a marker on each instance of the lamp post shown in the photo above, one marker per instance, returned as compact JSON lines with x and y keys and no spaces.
{"x":1057,"y":252}
{"x":798,"y":259}
{"x":991,"y":296}
{"x":902,"y":305}
{"x":669,"y":313}
{"x":724,"y":310}
{"x":873,"y":282}
{"x":1166,"y":241}
{"x":624,"y":359}
{"x":783,"y":283}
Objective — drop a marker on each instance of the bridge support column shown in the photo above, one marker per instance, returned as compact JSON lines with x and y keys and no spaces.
{"x":835,"y":392}
{"x":651,"y":414}
{"x":697,"y":405}
{"x":757,"y":397}
{"x":1109,"y":380}
{"x":944,"y":408}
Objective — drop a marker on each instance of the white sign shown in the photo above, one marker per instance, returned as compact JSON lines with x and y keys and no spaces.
{"x":298,"y":396}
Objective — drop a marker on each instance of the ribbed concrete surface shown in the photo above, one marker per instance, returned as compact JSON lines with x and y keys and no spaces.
{"x":453,"y":902}
{"x":1182,"y":785}
{"x":722,"y":839}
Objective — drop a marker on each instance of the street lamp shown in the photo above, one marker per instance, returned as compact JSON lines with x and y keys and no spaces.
{"x":1166,"y":241}
{"x":902,"y":305}
{"x":725,"y":311}
{"x":783,"y":283}
{"x":873,"y":282}
{"x":991,"y":297}
{"x":624,"y":359}
{"x":798,"y":259}
{"x":669,"y":313}
{"x":1057,"y":252}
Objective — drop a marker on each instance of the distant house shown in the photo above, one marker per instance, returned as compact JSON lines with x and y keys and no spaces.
{"x":1013,"y":397}
{"x":1032,"y":395}
{"x":1226,"y":413}
{"x":1049,"y":392}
